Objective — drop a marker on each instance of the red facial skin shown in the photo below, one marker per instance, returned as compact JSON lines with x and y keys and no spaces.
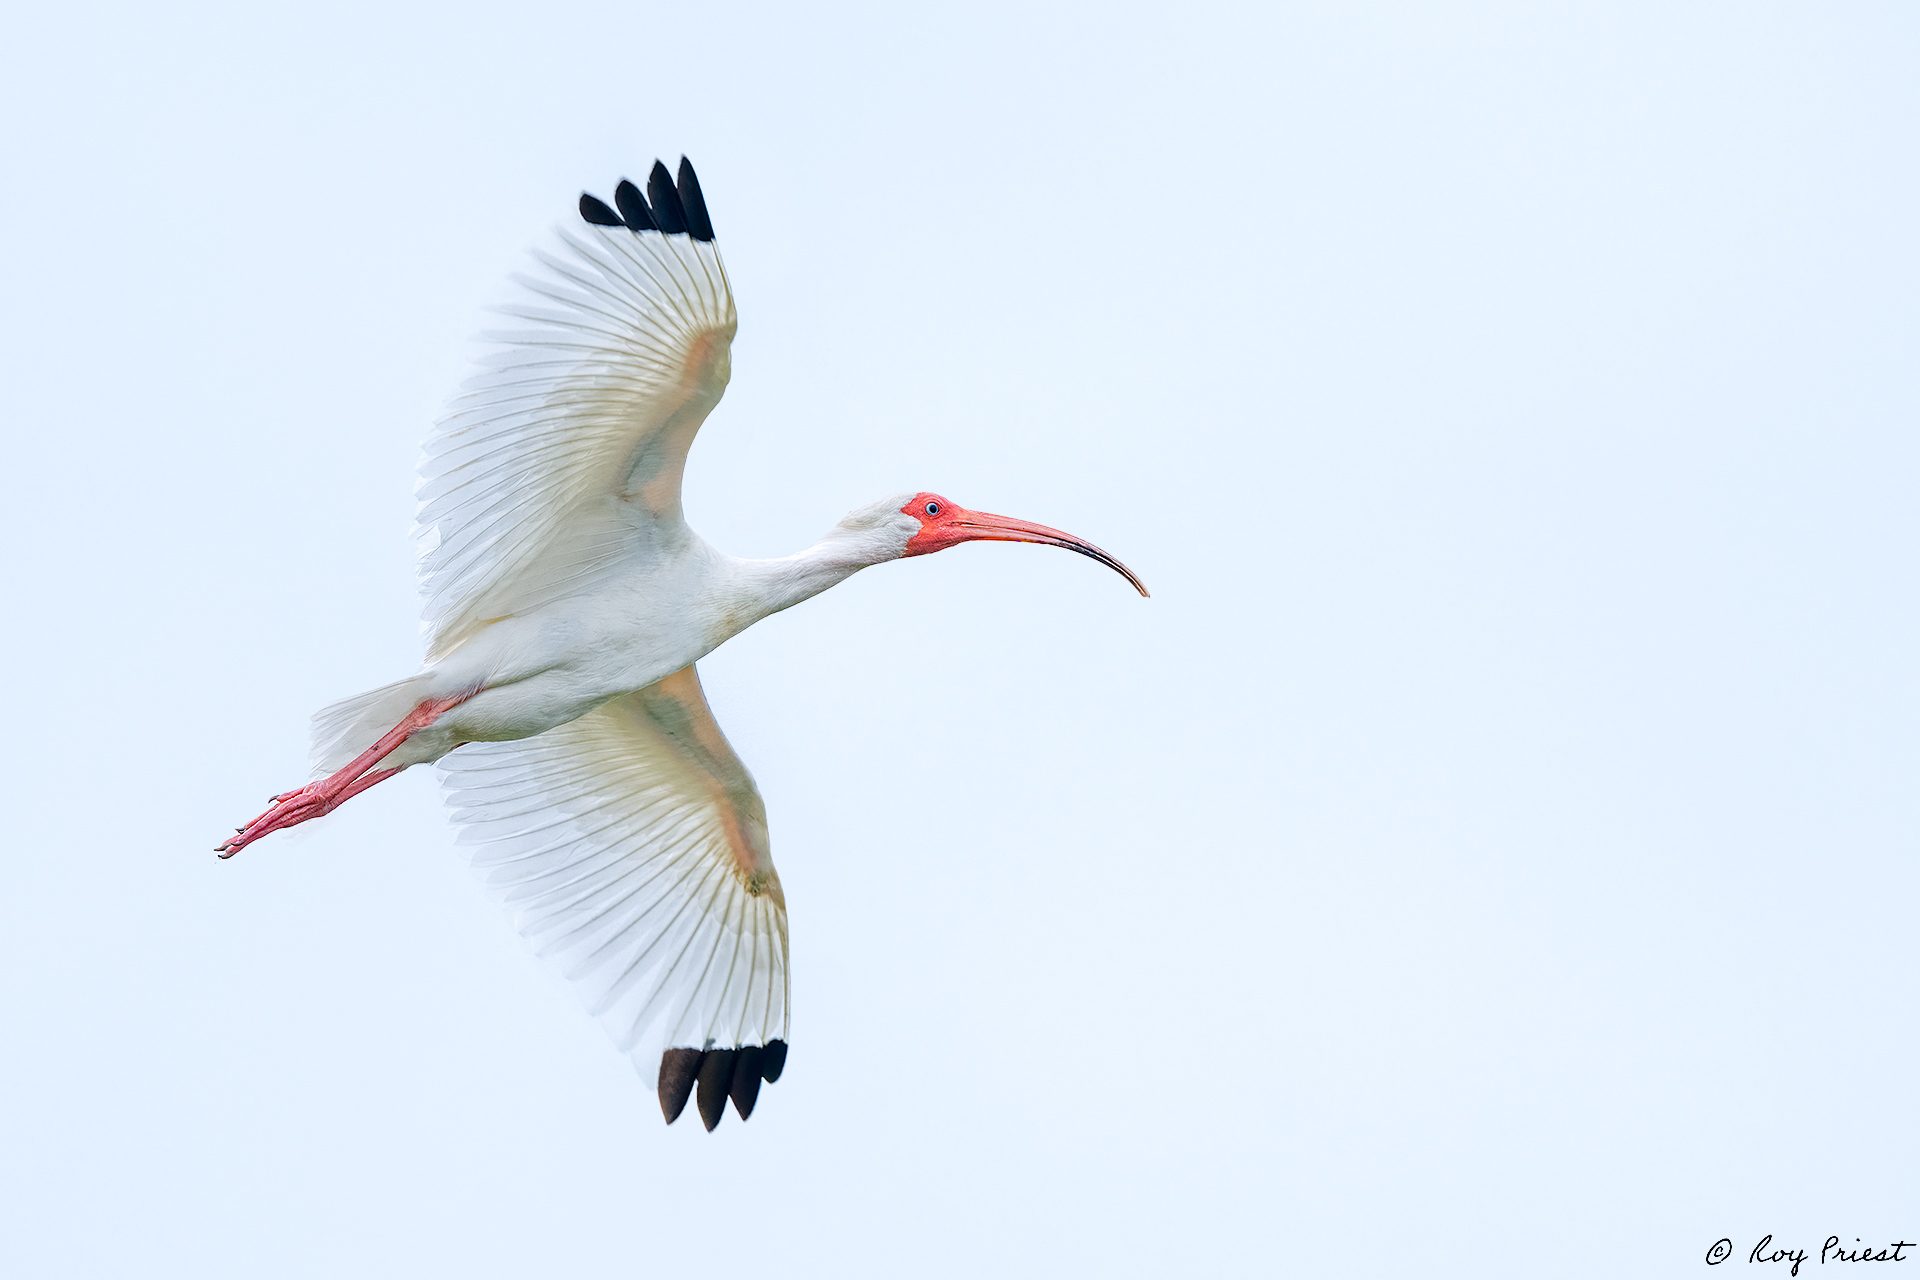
{"x":946,"y":524}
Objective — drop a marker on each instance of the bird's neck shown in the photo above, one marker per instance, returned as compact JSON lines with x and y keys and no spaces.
{"x":781,"y":583}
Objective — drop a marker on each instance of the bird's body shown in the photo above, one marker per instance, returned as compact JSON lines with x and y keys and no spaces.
{"x":567,"y":602}
{"x":655,"y":614}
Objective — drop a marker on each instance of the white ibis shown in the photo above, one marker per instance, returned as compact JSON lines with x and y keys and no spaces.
{"x":566,"y":603}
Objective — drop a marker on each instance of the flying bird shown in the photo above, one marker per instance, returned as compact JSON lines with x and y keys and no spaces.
{"x":566,"y":603}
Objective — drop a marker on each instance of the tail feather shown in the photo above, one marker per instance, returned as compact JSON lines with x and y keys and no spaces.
{"x":348,"y":727}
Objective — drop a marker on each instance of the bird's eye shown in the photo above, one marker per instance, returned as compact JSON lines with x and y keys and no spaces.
{"x":933,"y":508}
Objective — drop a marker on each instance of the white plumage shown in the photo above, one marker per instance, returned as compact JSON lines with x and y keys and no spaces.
{"x":566,"y":603}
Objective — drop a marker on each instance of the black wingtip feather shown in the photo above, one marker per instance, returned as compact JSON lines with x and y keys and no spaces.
{"x":745,"y":1086}
{"x":693,"y":203}
{"x":775,"y":1061}
{"x":633,"y":207}
{"x":716,"y":1078}
{"x":678,"y":1070}
{"x":667,"y":213}
{"x":595,"y":210}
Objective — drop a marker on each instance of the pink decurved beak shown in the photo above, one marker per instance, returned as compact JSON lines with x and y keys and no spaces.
{"x":982,"y":526}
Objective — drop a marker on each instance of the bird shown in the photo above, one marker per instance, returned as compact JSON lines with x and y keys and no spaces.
{"x":566,"y":603}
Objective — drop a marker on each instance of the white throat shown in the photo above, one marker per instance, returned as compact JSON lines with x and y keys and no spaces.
{"x":872,"y":535}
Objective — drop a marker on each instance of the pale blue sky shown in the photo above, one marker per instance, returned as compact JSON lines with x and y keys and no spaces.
{"x":1490,"y":852}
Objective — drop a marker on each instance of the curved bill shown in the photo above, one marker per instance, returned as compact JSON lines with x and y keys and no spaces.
{"x":980,"y":526}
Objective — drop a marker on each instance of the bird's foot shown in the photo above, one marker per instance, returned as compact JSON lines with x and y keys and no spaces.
{"x":284,"y":810}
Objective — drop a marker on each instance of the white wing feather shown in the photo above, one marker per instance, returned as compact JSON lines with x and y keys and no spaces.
{"x":566,"y":453}
{"x":632,"y":844}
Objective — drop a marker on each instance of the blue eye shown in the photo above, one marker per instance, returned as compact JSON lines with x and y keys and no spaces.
{"x":933,"y":508}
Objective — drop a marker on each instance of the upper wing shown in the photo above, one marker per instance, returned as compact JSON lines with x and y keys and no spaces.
{"x":568,"y":448}
{"x":632,"y":844}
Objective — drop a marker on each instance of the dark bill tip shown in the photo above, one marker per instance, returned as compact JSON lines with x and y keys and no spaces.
{"x":1094,"y":553}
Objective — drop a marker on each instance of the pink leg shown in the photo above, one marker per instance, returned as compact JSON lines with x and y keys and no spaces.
{"x":317,"y":799}
{"x":361,"y":783}
{"x":306,"y":807}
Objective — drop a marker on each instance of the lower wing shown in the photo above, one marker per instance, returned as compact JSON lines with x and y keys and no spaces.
{"x":631,"y":845}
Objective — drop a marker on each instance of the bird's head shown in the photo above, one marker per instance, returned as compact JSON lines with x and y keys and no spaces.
{"x":944,"y":524}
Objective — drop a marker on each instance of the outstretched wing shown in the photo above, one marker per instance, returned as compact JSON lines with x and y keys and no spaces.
{"x":564,"y":455}
{"x":632,"y":845}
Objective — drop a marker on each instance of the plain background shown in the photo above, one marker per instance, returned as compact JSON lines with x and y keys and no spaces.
{"x":1490,"y":852}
